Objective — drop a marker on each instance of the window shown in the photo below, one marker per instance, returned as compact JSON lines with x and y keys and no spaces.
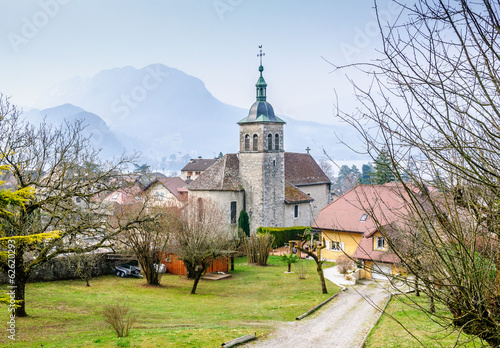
{"x":160,"y":195}
{"x":381,"y":243}
{"x":277,"y":142}
{"x":296,"y":211}
{"x":338,"y":246}
{"x":363,"y":217}
{"x":255,"y":142}
{"x":247,"y":142}
{"x":197,"y":173}
{"x":115,"y":196}
{"x":270,"y":142}
{"x":334,"y":246}
{"x":233,"y":212}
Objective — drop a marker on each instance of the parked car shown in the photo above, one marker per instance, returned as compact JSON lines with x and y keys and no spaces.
{"x":126,"y":270}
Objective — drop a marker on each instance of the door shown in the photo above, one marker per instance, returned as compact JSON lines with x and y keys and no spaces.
{"x":381,"y":271}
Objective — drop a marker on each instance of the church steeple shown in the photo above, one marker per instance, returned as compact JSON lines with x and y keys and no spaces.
{"x":261,"y":83}
{"x":261,"y":110}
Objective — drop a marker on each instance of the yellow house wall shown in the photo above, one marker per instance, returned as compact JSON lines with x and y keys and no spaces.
{"x":350,"y":240}
{"x":368,"y":267}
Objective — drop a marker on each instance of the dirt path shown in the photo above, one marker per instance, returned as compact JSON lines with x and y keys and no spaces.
{"x":344,"y":322}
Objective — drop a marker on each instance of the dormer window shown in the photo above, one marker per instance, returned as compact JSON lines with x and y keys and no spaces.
{"x":381,"y":243}
{"x":255,"y":142}
{"x":363,"y":217}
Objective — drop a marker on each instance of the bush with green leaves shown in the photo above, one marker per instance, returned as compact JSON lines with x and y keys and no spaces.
{"x":289,"y":259}
{"x":283,"y":234}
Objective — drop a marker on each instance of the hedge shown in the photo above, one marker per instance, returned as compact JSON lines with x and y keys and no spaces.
{"x":283,"y":234}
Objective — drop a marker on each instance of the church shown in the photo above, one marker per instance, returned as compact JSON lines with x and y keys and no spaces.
{"x":276,"y":188}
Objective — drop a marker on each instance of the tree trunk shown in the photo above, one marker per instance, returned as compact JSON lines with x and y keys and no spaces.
{"x":198,"y":275}
{"x":20,"y":280}
{"x":319,"y":269}
{"x":195,"y":284}
{"x":432,"y":307}
{"x":289,"y":268}
{"x":19,"y":290}
{"x":232,"y":262}
{"x":417,"y":289}
{"x":190,"y":270}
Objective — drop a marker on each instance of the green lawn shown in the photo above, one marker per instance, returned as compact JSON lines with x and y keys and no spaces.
{"x":388,"y":333}
{"x":69,"y":314}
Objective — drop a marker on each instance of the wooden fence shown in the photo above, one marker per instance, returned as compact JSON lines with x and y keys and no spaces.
{"x":176,"y":266}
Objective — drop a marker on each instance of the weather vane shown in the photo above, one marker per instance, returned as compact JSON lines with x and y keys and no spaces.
{"x":261,"y":54}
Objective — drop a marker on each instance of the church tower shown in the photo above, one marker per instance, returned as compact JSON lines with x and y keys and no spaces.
{"x":262,"y":164}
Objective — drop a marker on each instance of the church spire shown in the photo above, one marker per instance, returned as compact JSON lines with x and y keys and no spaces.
{"x":261,"y":83}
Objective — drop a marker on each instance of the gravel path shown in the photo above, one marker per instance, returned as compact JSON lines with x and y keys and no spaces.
{"x":343,"y":322}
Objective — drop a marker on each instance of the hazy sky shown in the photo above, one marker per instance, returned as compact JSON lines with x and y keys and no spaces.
{"x":48,"y":41}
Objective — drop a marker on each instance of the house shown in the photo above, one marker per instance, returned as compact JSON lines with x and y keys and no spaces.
{"x":167,"y":191}
{"x":353,"y":224}
{"x":195,"y":167}
{"x":275,"y":188}
{"x":125,"y":195}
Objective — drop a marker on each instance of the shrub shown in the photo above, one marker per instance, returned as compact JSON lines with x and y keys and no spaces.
{"x":289,"y":259}
{"x":302,"y":271}
{"x":282,"y":234}
{"x":244,"y":223}
{"x":257,"y":248}
{"x":345,"y":264}
{"x":119,"y":318}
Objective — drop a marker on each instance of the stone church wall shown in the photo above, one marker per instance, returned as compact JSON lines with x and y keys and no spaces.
{"x":321,"y":196}
{"x":304,"y":218}
{"x":223,"y":199}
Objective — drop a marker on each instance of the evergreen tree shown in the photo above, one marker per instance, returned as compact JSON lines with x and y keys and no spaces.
{"x":244,"y":223}
{"x":383,"y":169}
{"x":366,"y":174}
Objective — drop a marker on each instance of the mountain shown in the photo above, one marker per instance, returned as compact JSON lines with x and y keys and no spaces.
{"x":164,"y":112}
{"x":100,"y":135}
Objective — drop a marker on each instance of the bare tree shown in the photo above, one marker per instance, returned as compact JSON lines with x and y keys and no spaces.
{"x":145,"y":231}
{"x":84,"y":264}
{"x":67,"y":181}
{"x":201,"y":238}
{"x":314,"y":251}
{"x":434,"y":99}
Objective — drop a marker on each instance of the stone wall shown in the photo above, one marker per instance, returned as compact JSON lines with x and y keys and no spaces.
{"x":321,"y":195}
{"x":61,"y":268}
{"x":263,"y":175}
{"x":223,"y":199}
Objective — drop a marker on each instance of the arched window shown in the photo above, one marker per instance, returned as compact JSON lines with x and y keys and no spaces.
{"x":255,"y":142}
{"x":277,"y":142}
{"x":270,"y":142}
{"x":247,"y":142}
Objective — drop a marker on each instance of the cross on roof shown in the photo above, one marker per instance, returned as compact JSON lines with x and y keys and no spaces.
{"x":308,"y":149}
{"x":261,"y":54}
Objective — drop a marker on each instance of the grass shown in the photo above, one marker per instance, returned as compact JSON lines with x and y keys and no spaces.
{"x":425,"y":332}
{"x":254,"y":300}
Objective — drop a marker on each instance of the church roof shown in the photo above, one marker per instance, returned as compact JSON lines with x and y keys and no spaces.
{"x":198,"y":164}
{"x":302,"y":169}
{"x":223,"y":175}
{"x":261,"y":111}
{"x":294,"y":195}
